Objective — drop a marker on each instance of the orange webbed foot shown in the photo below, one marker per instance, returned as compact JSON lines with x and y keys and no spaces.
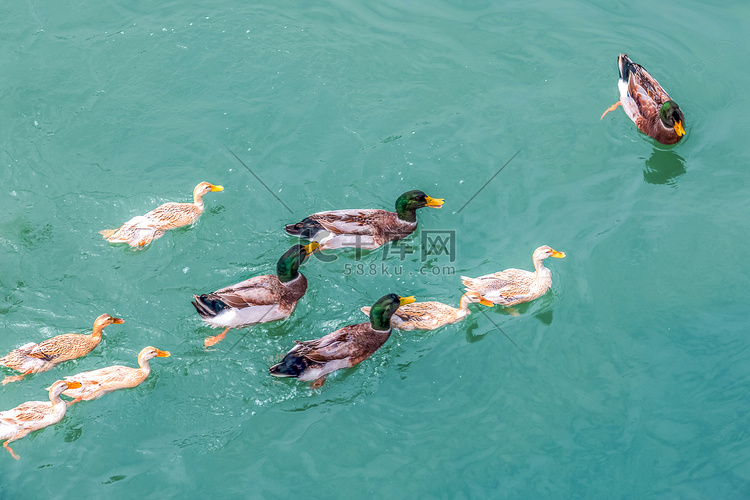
{"x":14,"y":378}
{"x":611,"y":108}
{"x":216,"y":339}
{"x":76,"y":400}
{"x":12,"y":453}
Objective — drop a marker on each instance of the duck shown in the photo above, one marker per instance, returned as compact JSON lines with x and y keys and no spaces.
{"x":36,"y":358}
{"x":143,"y":229}
{"x":34,"y":415}
{"x":96,"y":383}
{"x":431,"y":315}
{"x":344,"y":348}
{"x":366,"y":229}
{"x":648,"y":104}
{"x":256,"y":300}
{"x":515,"y":286}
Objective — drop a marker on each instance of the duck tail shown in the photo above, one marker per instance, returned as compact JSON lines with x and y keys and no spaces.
{"x":107,"y":233}
{"x":307,"y":228}
{"x":208,"y":307}
{"x":16,"y":356}
{"x":625,"y":65}
{"x":466,"y":281}
{"x":291,"y":366}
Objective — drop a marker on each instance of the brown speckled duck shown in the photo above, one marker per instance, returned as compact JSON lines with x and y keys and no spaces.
{"x":35,"y":358}
{"x":96,"y":383}
{"x":143,"y":229}
{"x":515,"y":286}
{"x":34,"y":415}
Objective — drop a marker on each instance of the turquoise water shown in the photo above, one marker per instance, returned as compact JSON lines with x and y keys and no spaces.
{"x":630,"y":377}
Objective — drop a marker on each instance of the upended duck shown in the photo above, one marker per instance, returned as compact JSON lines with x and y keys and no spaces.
{"x":34,"y":415}
{"x":143,"y":229}
{"x":257,"y":300}
{"x":647,"y":103}
{"x":35,"y":358}
{"x":431,"y":315}
{"x":96,"y":383}
{"x":364,"y":228}
{"x":344,"y":348}
{"x":515,"y":286}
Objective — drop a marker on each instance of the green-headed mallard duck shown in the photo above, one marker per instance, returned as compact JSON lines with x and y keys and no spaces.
{"x":257,"y":300}
{"x":647,"y":104}
{"x":364,"y":228}
{"x":344,"y":348}
{"x":34,"y":415}
{"x":432,"y":315}
{"x":143,"y":229}
{"x":35,"y":358}
{"x":514,"y":286}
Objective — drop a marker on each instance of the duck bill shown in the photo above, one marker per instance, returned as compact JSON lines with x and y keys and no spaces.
{"x":434,"y":202}
{"x":309,"y":249}
{"x":117,"y":321}
{"x":162,"y":354}
{"x":486,"y":302}
{"x":74,"y":385}
{"x":216,"y":188}
{"x":558,"y":255}
{"x":406,"y":300}
{"x":679,"y":129}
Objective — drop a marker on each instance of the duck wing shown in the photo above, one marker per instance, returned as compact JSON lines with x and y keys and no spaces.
{"x":366,"y":222}
{"x":260,"y":290}
{"x":26,"y":414}
{"x":342,"y":344}
{"x":111,"y":375}
{"x":173,"y":215}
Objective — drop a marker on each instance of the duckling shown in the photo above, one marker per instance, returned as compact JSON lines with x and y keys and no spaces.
{"x":344,"y":348}
{"x":96,"y":383}
{"x":514,"y":286}
{"x":432,"y":315}
{"x":143,"y":229}
{"x":35,"y":358}
{"x":34,"y":415}
{"x":364,"y":228}
{"x":257,"y":300}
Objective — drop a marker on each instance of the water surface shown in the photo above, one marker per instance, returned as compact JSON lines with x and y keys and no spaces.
{"x":630,"y":376}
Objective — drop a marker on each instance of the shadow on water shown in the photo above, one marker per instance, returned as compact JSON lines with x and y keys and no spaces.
{"x":664,"y":166}
{"x":544,"y":316}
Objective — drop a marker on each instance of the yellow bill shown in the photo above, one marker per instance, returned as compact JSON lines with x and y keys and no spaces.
{"x":406,"y":300}
{"x":679,"y":129}
{"x":434,"y":202}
